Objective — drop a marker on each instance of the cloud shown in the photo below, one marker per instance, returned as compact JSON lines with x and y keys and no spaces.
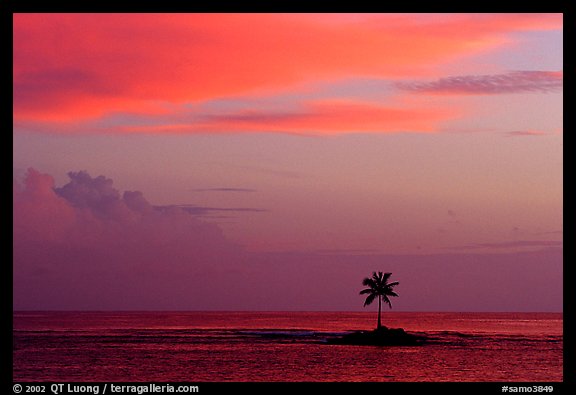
{"x":522,"y":133}
{"x":225,"y":189}
{"x":335,"y":116}
{"x":59,"y":83}
{"x":79,"y":67}
{"x":201,"y":211}
{"x":512,"y":82}
{"x":320,"y":117}
{"x":553,"y":232}
{"x":511,"y":244}
{"x":86,"y":245}
{"x":347,"y":251}
{"x":268,"y":171}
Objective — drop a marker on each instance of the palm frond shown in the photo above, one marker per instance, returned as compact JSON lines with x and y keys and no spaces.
{"x":366,"y":291}
{"x":385,"y":298}
{"x":392,"y":285}
{"x":392,"y":293}
{"x":386,"y":277}
{"x":369,"y":299}
{"x":368,"y":282}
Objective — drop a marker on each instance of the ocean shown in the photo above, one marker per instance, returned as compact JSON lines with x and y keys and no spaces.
{"x":283,"y":346}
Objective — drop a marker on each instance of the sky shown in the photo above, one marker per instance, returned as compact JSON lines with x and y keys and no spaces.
{"x":271,"y":161}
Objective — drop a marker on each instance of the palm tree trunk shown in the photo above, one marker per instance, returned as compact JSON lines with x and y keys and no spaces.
{"x":379,"y":308}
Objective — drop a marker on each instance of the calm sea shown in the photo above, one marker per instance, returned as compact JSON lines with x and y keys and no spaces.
{"x":282,"y":346}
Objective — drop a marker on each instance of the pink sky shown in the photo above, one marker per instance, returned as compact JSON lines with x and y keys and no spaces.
{"x":267,"y":147}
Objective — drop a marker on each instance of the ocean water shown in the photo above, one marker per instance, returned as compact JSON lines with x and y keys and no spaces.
{"x":283,"y":346}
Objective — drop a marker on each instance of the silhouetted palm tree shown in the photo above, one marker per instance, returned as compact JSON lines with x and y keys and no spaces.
{"x":379,"y":287}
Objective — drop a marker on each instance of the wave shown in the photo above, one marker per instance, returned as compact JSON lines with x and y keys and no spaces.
{"x":461,"y":338}
{"x":290,"y":332}
{"x":279,"y":335}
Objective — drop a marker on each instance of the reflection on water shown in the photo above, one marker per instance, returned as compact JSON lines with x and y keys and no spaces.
{"x":282,"y":347}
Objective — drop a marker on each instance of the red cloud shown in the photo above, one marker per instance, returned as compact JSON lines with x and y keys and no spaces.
{"x":319,"y":118}
{"x":337,"y":117}
{"x":73,"y":67}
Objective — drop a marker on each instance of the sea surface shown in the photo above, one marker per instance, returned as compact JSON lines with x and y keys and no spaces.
{"x":282,"y":346}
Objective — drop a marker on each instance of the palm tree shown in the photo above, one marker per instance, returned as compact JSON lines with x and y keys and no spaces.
{"x":379,"y":287}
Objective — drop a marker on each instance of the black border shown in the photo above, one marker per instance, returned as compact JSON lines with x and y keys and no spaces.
{"x":145,"y":6}
{"x":9,"y":7}
{"x":6,"y":295}
{"x":568,"y":290}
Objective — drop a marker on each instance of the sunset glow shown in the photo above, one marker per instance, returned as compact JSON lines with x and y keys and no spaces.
{"x":83,"y":67}
{"x":179,"y":152}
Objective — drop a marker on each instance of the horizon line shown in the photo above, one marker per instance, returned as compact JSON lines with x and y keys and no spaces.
{"x":283,"y":311}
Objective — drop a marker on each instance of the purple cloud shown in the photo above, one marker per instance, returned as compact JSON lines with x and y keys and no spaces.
{"x":512,"y":82}
{"x":48,"y":83}
{"x":201,"y":211}
{"x":552,"y":232}
{"x":224,"y":190}
{"x":511,"y":244}
{"x":521,"y":133}
{"x":86,"y":245}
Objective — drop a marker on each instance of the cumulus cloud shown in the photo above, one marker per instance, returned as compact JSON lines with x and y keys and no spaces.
{"x":86,"y":245}
{"x":512,"y":82}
